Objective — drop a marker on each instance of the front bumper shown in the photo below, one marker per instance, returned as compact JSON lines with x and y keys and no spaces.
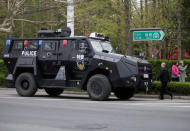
{"x":144,"y":81}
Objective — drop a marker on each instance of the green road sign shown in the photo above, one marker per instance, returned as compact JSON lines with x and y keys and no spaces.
{"x":148,"y":35}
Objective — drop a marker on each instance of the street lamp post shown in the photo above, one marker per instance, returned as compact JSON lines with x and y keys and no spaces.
{"x":70,"y":15}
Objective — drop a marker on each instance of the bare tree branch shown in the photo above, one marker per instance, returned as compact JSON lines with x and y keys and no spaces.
{"x":14,"y":7}
{"x":38,"y":22}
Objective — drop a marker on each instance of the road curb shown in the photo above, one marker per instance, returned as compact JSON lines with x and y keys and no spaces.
{"x":157,"y":96}
{"x":135,"y":96}
{"x":112,"y":94}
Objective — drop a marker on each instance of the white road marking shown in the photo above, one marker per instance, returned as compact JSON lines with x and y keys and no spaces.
{"x":147,"y":103}
{"x":182,"y":106}
{"x":127,"y":103}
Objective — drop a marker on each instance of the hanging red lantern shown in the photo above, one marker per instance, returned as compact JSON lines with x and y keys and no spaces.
{"x":160,"y":54}
{"x":185,"y":55}
{"x":176,"y":54}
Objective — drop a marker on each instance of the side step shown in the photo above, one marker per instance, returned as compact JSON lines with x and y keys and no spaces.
{"x":52,"y":83}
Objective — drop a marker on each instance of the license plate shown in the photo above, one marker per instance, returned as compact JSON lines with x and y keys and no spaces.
{"x":146,"y":76}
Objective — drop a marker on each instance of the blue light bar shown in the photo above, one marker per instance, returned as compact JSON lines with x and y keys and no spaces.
{"x":40,"y":42}
{"x":8,"y":42}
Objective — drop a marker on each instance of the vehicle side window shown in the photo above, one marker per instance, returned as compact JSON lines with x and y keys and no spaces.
{"x":81,"y":45}
{"x":75,"y":44}
{"x":49,"y":45}
{"x":33,"y":45}
{"x":18,"y":45}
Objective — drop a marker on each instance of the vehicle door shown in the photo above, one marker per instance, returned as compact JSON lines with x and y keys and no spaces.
{"x":17,"y":46}
{"x":78,"y":58}
{"x":48,"y":58}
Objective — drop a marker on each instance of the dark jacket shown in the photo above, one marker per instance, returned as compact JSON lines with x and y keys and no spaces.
{"x":164,"y":75}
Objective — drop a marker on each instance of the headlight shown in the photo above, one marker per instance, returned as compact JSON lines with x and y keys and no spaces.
{"x":134,"y":78}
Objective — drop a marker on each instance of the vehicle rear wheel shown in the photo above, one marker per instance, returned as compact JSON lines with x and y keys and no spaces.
{"x":99,"y":87}
{"x":54,"y":91}
{"x":124,"y":93}
{"x":26,"y":85}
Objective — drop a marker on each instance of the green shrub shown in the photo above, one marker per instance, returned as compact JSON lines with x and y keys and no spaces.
{"x":3,"y":71}
{"x":2,"y":79}
{"x":182,"y":88}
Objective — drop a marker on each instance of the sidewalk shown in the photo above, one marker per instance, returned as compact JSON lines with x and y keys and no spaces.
{"x":139,"y":95}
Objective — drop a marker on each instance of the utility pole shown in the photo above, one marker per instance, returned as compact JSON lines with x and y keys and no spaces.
{"x":70,"y":15}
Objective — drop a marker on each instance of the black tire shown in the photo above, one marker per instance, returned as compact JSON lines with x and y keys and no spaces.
{"x":54,"y":91}
{"x":124,"y":93}
{"x":99,"y":87}
{"x":26,"y":85}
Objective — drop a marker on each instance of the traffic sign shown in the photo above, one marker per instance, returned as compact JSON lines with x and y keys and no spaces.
{"x":148,"y":35}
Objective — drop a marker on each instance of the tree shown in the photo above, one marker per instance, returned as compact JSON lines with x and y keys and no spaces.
{"x":14,"y":8}
{"x":154,"y":26}
{"x":127,"y":5}
{"x":185,"y":24}
{"x":118,"y":19}
{"x":179,"y":18}
{"x":23,"y":18}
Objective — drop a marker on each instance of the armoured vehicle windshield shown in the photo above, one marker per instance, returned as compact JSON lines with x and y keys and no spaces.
{"x":100,"y":46}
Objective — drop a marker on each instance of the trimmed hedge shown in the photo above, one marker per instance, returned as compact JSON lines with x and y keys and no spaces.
{"x":2,"y":79}
{"x":182,"y":88}
{"x":3,"y":71}
{"x":156,"y":65}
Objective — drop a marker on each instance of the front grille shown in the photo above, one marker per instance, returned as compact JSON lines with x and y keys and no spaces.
{"x":145,"y":69}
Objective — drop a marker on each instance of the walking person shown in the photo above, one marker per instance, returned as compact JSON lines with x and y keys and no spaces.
{"x":164,"y":78}
{"x":182,"y":71}
{"x":175,"y":72}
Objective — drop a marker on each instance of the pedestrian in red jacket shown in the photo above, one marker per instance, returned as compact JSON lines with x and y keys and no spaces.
{"x":175,"y":72}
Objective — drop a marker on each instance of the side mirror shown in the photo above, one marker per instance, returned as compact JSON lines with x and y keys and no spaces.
{"x":105,"y":51}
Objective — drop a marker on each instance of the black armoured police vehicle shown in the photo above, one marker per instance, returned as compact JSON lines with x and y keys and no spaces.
{"x":54,"y":61}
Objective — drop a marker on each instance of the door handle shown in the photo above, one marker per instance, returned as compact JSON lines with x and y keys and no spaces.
{"x":57,"y":53}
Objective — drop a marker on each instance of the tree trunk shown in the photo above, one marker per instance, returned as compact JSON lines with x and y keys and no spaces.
{"x":119,"y":26}
{"x":179,"y":4}
{"x":164,"y":16}
{"x":154,"y":12}
{"x":146,"y":13}
{"x":22,"y":25}
{"x":142,"y":26}
{"x":141,"y":8}
{"x":127,"y":4}
{"x":146,"y":25}
{"x":154,"y":25}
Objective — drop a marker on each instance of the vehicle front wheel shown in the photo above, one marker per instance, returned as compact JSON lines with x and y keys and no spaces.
{"x":26,"y":85}
{"x":124,"y":93}
{"x":99,"y":87}
{"x":54,"y":91}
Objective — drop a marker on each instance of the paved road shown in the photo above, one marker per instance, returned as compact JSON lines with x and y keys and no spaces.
{"x":78,"y":113}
